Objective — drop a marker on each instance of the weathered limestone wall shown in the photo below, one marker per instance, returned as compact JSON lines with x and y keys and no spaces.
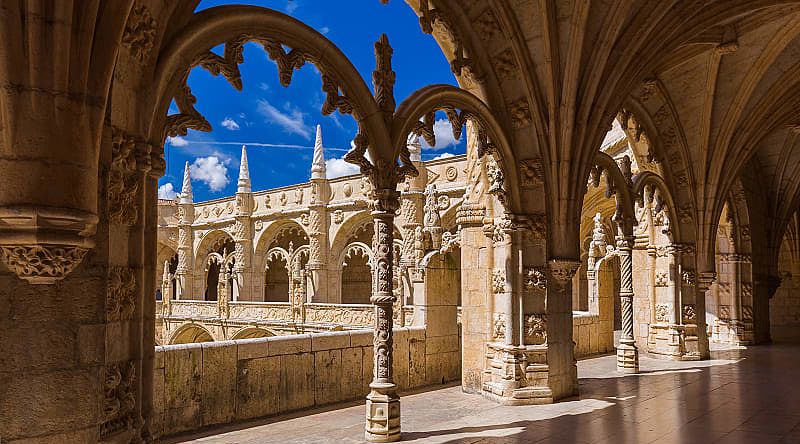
{"x":591,"y":335}
{"x":784,"y":307}
{"x":198,"y":385}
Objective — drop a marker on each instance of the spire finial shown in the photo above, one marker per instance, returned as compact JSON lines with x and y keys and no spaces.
{"x":318,"y":163}
{"x":243,"y":185}
{"x":414,"y":147}
{"x":186,"y":191}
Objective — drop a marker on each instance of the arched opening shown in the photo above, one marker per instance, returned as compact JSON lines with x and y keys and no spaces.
{"x":276,"y":278}
{"x":191,"y":333}
{"x":252,"y":333}
{"x":219,"y":265}
{"x":356,"y":274}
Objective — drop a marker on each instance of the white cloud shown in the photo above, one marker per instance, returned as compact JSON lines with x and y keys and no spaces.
{"x":444,"y":135}
{"x":263,"y":86}
{"x":324,"y":30}
{"x":167,"y":191}
{"x":211,"y":171}
{"x":338,"y":167}
{"x":177,"y":141}
{"x":293,"y":121}
{"x":291,"y":5}
{"x":443,"y":156}
{"x":230,"y":124}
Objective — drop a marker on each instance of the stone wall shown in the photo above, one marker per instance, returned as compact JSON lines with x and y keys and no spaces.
{"x":198,"y":385}
{"x":590,"y":335}
{"x":784,"y":307}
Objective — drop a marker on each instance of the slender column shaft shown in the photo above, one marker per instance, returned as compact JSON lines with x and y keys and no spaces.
{"x":627,"y":353}
{"x":383,"y":403}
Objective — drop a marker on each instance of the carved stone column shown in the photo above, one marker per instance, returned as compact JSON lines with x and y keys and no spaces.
{"x":704,"y":281}
{"x":383,"y":403}
{"x":627,"y":352}
{"x":563,"y":378}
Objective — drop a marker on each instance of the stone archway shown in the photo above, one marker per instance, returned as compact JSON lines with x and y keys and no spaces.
{"x":191,"y":333}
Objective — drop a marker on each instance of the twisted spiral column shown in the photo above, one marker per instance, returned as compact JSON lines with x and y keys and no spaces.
{"x":627,"y":352}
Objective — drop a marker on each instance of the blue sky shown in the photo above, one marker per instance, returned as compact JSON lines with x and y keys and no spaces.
{"x":278,"y":124}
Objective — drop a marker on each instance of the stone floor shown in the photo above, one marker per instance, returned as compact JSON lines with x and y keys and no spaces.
{"x":740,"y":396}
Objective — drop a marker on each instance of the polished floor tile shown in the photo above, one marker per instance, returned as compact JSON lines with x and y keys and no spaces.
{"x":739,"y":396}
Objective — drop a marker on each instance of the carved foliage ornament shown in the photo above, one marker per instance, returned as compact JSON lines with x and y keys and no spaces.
{"x":119,"y":402}
{"x":536,"y":329}
{"x":42,"y":264}
{"x":140,"y":32}
{"x":122,"y":181}
{"x":121,"y":293}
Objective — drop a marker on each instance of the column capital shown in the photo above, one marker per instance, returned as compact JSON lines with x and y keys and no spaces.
{"x":563,"y":270}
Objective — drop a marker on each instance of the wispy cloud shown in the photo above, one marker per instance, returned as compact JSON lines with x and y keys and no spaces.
{"x":177,"y":141}
{"x":444,"y":135}
{"x":263,"y":86}
{"x":292,"y":121}
{"x":338,"y":167}
{"x":211,"y":171}
{"x":267,"y":145}
{"x":291,"y":6}
{"x":324,"y":30}
{"x":443,"y":156}
{"x":167,"y":191}
{"x":230,"y":124}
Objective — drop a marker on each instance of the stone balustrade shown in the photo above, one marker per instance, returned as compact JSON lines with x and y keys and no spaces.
{"x":203,"y":384}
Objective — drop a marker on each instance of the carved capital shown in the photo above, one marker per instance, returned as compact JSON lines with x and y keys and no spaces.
{"x":562,"y":270}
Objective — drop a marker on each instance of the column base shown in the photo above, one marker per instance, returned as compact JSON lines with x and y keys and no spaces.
{"x":383,"y":413}
{"x":627,"y":358}
{"x":517,"y":375}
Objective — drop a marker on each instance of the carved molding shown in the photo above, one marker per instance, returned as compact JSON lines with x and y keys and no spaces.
{"x":499,"y":281}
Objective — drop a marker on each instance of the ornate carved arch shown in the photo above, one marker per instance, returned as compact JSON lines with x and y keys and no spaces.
{"x":460,"y":106}
{"x":235,"y":25}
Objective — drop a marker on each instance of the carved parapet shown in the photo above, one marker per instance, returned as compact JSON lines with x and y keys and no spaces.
{"x":43,"y":244}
